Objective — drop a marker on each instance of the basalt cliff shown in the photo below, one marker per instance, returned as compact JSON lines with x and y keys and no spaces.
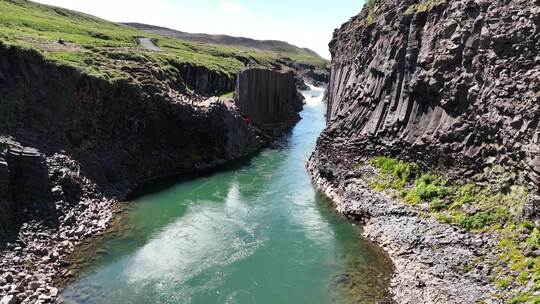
{"x":274,"y":109}
{"x":453,"y":87}
{"x":73,"y":144}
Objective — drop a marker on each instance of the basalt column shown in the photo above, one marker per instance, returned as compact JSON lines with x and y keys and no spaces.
{"x":269,"y":99}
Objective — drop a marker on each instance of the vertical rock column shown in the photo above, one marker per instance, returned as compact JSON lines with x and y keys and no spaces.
{"x":269,"y":99}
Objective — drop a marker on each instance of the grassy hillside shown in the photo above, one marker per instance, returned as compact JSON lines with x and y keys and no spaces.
{"x":281,"y":48}
{"x":103,"y":48}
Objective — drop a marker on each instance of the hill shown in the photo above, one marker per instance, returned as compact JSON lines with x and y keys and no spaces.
{"x":280,"y":47}
{"x":106,"y":49}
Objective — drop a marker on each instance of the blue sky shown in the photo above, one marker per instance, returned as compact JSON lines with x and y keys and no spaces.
{"x":306,"y":23}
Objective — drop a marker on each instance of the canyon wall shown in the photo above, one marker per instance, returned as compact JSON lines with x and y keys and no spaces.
{"x":269,"y":99}
{"x":455,"y":87}
{"x":205,"y":81}
{"x":67,"y":137}
{"x":449,"y":84}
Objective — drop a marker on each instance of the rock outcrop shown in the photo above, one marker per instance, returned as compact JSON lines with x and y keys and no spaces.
{"x":453,"y":86}
{"x":269,"y":99}
{"x":449,"y":83}
{"x":205,"y":81}
{"x":26,"y":192}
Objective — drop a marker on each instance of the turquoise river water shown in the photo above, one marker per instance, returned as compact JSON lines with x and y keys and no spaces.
{"x":256,"y":233}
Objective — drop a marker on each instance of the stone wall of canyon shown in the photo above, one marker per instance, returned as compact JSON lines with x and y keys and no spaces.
{"x":449,"y":84}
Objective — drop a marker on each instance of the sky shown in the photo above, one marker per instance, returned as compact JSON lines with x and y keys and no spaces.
{"x":305,"y":23}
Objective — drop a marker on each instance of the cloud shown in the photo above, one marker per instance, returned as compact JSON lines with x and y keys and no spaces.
{"x":232,"y":7}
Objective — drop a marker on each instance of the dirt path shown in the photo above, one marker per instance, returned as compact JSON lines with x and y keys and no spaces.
{"x":148,"y":44}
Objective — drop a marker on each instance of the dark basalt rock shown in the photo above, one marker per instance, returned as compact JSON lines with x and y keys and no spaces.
{"x":269,"y":99}
{"x":531,"y":210}
{"x":455,"y":88}
{"x":28,"y":175}
{"x":205,"y":81}
{"x":24,"y":188}
{"x":5,"y":206}
{"x":451,"y":87}
{"x":4,"y":177}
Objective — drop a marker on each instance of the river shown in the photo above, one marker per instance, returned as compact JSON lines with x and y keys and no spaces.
{"x":255,"y":233}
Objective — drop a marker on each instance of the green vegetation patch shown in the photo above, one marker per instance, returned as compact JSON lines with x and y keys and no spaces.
{"x":424,"y":6}
{"x":371,"y":7}
{"x":475,"y":208}
{"x":227,"y":94}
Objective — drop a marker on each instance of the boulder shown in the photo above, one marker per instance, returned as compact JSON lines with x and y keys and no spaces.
{"x":531,"y":210}
{"x":10,"y":299}
{"x":28,"y":174}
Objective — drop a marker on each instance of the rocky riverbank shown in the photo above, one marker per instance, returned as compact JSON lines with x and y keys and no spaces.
{"x":434,"y":262}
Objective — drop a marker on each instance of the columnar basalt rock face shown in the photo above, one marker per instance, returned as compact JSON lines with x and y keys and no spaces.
{"x":453,"y":86}
{"x":268,"y":98}
{"x":25,"y":191}
{"x":66,"y":136}
{"x":205,"y":81}
{"x":456,"y":85}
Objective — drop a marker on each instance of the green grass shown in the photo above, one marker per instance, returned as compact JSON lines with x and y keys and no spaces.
{"x":103,"y":48}
{"x":371,"y":9}
{"x":396,"y":173}
{"x":228,"y":94}
{"x":426,"y":189}
{"x":477,"y":209}
{"x":424,"y":6}
{"x":466,"y":205}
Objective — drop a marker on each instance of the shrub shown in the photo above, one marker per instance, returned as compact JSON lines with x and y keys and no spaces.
{"x":438,"y":204}
{"x":476,"y":221}
{"x":396,"y":168}
{"x":534,"y":238}
{"x":426,"y":188}
{"x":465,"y":194}
{"x":412,"y":197}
